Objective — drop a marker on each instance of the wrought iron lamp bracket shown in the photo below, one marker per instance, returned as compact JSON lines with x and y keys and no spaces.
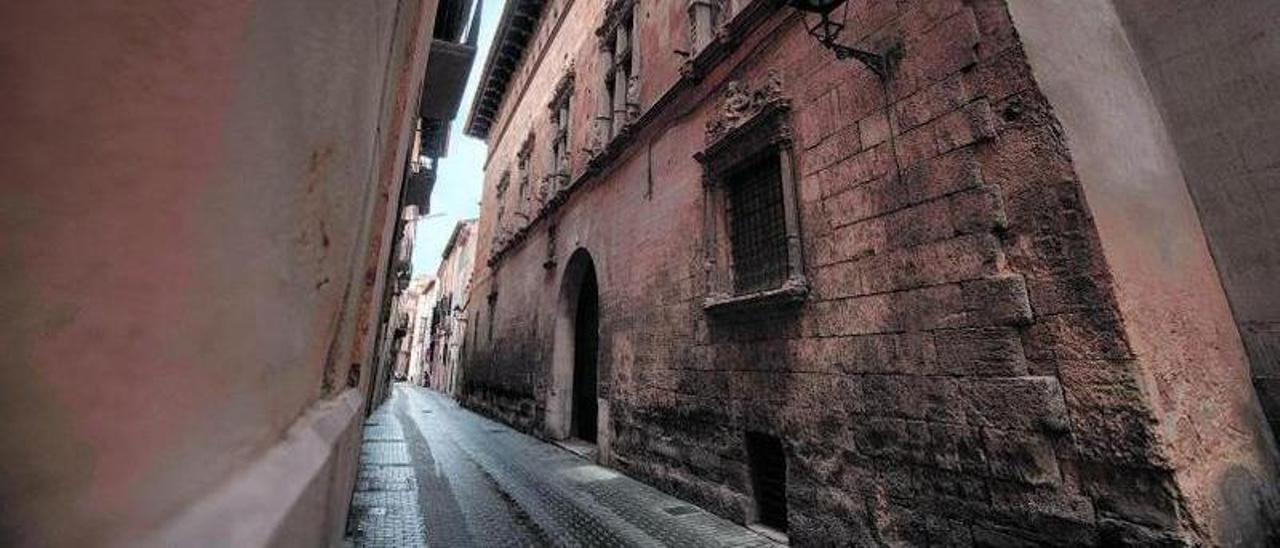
{"x":826,"y":31}
{"x":881,"y":65}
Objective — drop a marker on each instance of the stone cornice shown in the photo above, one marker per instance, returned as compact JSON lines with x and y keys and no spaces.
{"x":517,"y":27}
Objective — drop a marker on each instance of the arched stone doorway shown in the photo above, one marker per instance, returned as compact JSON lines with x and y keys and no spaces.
{"x":573,"y":406}
{"x":586,"y":345}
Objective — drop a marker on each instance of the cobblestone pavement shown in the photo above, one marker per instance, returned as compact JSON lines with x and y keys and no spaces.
{"x":432,"y":473}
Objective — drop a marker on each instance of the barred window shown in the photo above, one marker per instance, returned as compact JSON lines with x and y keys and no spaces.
{"x":757,"y":225}
{"x":752,"y":223}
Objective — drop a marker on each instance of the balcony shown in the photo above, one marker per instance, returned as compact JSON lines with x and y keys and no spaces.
{"x":448,"y":66}
{"x":419,"y":185}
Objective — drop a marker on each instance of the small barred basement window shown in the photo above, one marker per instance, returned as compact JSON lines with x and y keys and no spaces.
{"x":768,"y":464}
{"x":757,"y":226}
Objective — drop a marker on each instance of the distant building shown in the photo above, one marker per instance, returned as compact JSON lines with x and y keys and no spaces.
{"x":970,"y":302}
{"x":416,"y":304}
{"x":448,"y":318}
{"x":397,"y":311}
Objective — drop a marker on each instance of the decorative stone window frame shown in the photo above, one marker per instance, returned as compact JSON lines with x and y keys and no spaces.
{"x":746,"y":124}
{"x":524,"y":180}
{"x":504,"y":182}
{"x":705,"y":19}
{"x":735,"y":20}
{"x":619,"y":103}
{"x":560,"y":159}
{"x":500,"y":221}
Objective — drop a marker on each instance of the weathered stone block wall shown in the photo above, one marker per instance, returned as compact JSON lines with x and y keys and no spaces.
{"x":960,"y":372}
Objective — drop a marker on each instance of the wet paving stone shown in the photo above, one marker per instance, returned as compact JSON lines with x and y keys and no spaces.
{"x":384,"y":506}
{"x":434,"y":474}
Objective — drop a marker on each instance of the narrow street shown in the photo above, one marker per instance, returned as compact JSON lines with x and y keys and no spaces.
{"x":432,"y":473}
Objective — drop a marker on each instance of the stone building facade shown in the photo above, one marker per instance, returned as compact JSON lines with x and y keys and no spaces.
{"x":415,"y":303}
{"x":394,"y":337}
{"x":448,"y":320}
{"x":970,"y":303}
{"x":200,"y":205}
{"x":424,"y":292}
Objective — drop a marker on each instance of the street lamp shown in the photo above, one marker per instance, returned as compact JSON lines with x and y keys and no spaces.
{"x":827,"y":29}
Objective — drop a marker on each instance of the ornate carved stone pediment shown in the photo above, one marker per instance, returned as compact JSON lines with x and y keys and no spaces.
{"x":745,"y":122}
{"x":740,"y":103}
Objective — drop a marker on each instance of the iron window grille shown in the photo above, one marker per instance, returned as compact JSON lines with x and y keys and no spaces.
{"x":757,"y":226}
{"x":751,"y":222}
